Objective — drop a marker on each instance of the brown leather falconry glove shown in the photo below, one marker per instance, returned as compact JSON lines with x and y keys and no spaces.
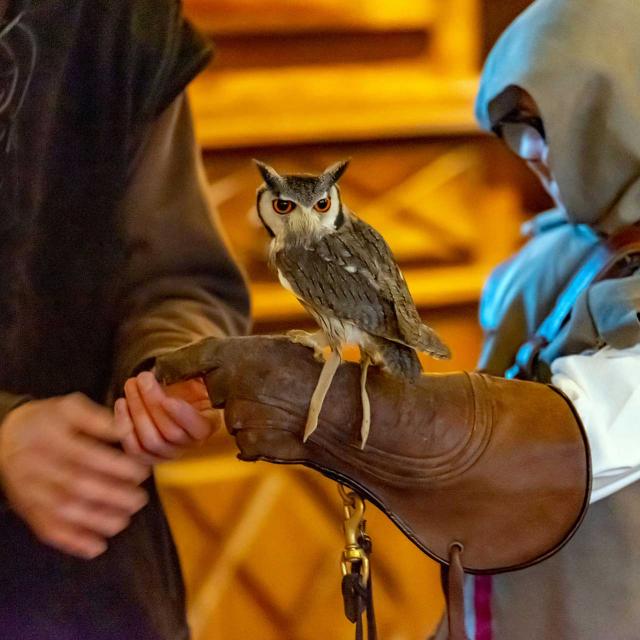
{"x":500,"y":467}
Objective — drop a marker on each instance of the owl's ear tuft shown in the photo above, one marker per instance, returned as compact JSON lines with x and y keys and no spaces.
{"x":269,"y":175}
{"x":332,"y":174}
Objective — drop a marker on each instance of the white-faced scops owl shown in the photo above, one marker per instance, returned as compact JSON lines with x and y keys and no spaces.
{"x":343,"y":272}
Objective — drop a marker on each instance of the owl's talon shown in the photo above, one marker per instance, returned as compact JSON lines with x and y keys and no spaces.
{"x":316,"y":341}
{"x":299,"y":336}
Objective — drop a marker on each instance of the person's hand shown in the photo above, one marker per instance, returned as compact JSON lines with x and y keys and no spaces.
{"x":164,"y":422}
{"x":61,"y":475}
{"x":265,"y":385}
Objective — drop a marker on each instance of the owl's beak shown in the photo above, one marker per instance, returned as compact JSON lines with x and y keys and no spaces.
{"x":302,"y":224}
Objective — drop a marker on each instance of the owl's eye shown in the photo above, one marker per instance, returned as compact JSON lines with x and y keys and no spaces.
{"x":322,"y":206}
{"x":283,"y":206}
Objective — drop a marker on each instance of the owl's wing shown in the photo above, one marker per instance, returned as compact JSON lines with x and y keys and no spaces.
{"x":368,"y":242}
{"x":352,"y":275}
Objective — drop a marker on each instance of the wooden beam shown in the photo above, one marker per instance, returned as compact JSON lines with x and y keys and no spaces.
{"x":286,"y":16}
{"x":260,"y":107}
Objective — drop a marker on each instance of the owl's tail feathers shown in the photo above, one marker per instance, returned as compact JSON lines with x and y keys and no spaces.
{"x":430,"y":342}
{"x":399,"y":360}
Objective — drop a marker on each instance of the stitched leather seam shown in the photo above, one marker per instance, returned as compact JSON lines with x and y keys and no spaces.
{"x":452,"y":464}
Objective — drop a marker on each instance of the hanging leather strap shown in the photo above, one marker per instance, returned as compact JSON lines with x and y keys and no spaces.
{"x":614,"y":257}
{"x":358,"y":599}
{"x":452,"y":583}
{"x":455,"y":594}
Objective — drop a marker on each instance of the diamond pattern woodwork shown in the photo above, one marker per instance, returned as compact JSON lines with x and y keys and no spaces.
{"x":263,"y":561}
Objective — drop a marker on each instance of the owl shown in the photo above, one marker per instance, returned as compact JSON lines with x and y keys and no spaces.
{"x":344,"y":274}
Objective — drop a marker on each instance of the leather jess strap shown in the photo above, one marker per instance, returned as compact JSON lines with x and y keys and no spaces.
{"x":455,"y":594}
{"x":615,"y":256}
{"x":452,"y":583}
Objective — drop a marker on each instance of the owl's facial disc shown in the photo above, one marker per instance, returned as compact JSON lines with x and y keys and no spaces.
{"x":328,"y":209}
{"x":274,"y":210}
{"x":310,"y":220}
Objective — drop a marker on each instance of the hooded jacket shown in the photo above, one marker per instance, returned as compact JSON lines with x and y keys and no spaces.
{"x":578,"y":60}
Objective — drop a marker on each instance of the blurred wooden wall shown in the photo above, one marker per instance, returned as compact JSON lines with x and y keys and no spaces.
{"x":300,"y":84}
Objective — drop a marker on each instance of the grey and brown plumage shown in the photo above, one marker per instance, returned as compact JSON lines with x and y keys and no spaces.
{"x":343,"y":272}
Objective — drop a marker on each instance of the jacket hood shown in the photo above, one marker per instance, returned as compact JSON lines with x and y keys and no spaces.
{"x":580,"y":61}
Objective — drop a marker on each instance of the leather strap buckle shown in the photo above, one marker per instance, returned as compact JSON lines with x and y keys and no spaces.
{"x":527,"y":359}
{"x":357,"y":590}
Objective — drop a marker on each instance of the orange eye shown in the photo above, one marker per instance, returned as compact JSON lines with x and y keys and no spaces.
{"x":322,"y":206}
{"x":283,"y":206}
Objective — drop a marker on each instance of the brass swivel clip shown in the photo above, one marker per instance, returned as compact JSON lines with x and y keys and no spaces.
{"x":354,"y":554}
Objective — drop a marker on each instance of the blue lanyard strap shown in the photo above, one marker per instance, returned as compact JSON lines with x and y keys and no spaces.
{"x":609,"y":258}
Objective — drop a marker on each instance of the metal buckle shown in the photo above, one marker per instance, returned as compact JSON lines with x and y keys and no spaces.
{"x":527,"y":358}
{"x":354,"y":556}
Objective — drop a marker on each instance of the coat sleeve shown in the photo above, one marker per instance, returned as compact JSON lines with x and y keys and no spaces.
{"x":604,"y":387}
{"x":9,"y":401}
{"x":180,"y":283}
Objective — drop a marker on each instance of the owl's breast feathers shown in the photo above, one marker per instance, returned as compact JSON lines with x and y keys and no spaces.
{"x":351,"y":275}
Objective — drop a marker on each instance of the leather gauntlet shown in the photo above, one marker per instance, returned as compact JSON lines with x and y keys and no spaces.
{"x":483,"y":474}
{"x":500,"y":467}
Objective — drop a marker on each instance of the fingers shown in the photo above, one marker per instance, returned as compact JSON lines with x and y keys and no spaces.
{"x":96,"y":422}
{"x":153,"y":398}
{"x":88,"y":417}
{"x":72,"y":488}
{"x":76,"y":512}
{"x":122,"y":497}
{"x":95,"y":518}
{"x":79,"y":484}
{"x":130,"y":442}
{"x":57,"y":506}
{"x":103,"y":459}
{"x":193,"y":391}
{"x":198,"y":425}
{"x":148,"y":428}
{"x":162,"y":423}
{"x":69,"y":538}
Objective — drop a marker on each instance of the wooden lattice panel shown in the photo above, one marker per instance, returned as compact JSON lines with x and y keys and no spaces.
{"x":261,"y":557}
{"x":264,"y":108}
